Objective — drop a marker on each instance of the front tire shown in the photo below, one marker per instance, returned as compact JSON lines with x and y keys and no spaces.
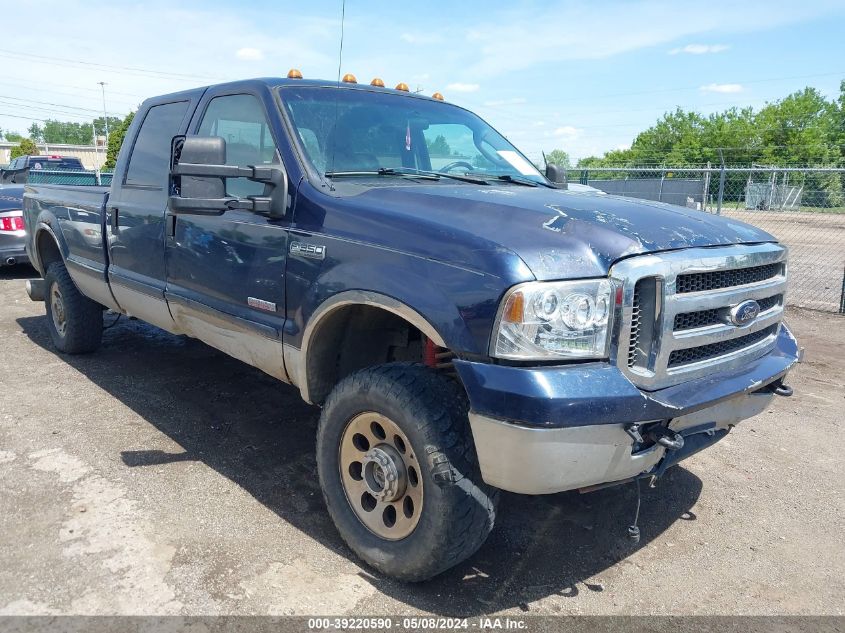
{"x":74,"y":321}
{"x":399,"y":474}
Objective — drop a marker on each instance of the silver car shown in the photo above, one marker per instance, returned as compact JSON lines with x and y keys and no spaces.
{"x":12,"y":230}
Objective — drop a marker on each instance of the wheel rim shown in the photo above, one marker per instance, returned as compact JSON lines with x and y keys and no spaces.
{"x":57,"y":310}
{"x":381,"y":476}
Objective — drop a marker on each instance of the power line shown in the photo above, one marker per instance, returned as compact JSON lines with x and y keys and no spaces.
{"x":58,"y":93}
{"x":137,"y":70}
{"x":35,"y":85}
{"x":59,"y":105}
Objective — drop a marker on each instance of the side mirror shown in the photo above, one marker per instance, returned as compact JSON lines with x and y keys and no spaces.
{"x":198,"y":174}
{"x":557,"y":175}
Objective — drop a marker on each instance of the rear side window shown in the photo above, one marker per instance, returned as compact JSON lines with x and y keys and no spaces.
{"x":149,"y":163}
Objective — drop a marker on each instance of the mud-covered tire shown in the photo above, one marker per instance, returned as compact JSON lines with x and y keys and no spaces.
{"x":74,"y":321}
{"x":458,"y":509}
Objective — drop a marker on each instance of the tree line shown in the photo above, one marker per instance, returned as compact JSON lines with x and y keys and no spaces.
{"x":55,"y":132}
{"x":804,"y":128}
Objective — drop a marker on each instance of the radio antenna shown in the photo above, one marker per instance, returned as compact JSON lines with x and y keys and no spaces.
{"x":337,"y":99}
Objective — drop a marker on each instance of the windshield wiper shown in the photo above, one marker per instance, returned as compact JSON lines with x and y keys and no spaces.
{"x":383,"y":171}
{"x":476,"y":180}
{"x":434,"y":175}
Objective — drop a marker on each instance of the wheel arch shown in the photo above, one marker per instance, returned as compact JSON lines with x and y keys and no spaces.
{"x":316,"y":368}
{"x":47,"y":247}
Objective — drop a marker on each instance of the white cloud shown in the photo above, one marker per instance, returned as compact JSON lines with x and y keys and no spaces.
{"x":722,"y":88}
{"x":249,"y":54}
{"x":501,"y":102}
{"x":420,"y":38}
{"x":460,"y":87}
{"x":700,"y":49}
{"x":566,"y":130}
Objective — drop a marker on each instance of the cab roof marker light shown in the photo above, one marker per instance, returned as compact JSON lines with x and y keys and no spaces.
{"x":349,"y":78}
{"x":377,"y":82}
{"x":294,"y":73}
{"x":437,"y":96}
{"x":402,"y":86}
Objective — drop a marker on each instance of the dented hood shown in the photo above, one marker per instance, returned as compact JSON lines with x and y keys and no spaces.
{"x":559,"y":233}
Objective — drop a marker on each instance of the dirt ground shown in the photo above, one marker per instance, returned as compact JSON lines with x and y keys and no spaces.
{"x":158,"y":476}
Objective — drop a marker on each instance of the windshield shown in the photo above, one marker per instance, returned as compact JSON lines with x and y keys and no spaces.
{"x":358,"y":131}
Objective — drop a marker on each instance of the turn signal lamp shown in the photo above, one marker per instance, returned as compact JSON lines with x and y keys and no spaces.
{"x":402,"y":86}
{"x":377,"y":82}
{"x":514,"y":308}
{"x":349,"y":78}
{"x":294,"y":73}
{"x":437,"y":96}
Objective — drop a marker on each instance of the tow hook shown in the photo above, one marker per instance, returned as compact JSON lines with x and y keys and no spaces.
{"x":668,"y":439}
{"x":782,"y":390}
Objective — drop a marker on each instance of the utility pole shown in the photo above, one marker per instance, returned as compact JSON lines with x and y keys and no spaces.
{"x":105,"y":116}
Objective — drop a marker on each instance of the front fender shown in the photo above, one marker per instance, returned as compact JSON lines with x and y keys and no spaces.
{"x":453,"y":306}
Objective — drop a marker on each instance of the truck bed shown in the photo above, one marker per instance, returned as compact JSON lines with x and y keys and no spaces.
{"x":75,"y":216}
{"x":84,"y":196}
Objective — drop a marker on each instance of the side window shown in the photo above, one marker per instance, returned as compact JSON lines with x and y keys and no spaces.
{"x":149,"y":163}
{"x":241,"y":122}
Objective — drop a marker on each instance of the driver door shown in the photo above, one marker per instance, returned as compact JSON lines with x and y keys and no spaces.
{"x":226,"y":273}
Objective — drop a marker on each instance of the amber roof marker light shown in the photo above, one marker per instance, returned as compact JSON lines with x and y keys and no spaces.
{"x":377,"y":82}
{"x":349,"y":78}
{"x":437,"y":96}
{"x":294,"y":73}
{"x":402,"y":86}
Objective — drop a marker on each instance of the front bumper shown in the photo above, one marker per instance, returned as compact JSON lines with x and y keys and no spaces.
{"x":549,"y":429}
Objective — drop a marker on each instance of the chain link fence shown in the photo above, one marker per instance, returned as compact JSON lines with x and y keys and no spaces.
{"x":68,"y":177}
{"x":803,"y":207}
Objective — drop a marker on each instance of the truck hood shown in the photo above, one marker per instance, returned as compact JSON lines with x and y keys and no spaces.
{"x":558,"y":233}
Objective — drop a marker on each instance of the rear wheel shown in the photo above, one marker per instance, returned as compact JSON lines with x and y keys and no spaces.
{"x":399,"y":473}
{"x":74,"y":321}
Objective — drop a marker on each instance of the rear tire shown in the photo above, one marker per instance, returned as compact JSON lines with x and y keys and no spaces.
{"x":74,"y":321}
{"x":441,"y":510}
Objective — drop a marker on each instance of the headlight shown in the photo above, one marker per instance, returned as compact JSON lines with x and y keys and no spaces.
{"x":550,"y":320}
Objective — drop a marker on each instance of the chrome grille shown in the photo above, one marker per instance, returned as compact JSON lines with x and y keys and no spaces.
{"x":635,"y":327}
{"x":701,"y":282}
{"x":696,"y":354}
{"x":685,"y":333}
{"x":703,"y":318}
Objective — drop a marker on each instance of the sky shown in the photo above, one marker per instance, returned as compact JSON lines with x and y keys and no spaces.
{"x":584,"y":77}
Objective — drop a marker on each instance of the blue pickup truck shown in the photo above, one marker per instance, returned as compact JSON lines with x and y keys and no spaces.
{"x":466,"y":323}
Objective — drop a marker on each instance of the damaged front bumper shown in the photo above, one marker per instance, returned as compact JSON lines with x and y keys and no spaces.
{"x":547,"y":429}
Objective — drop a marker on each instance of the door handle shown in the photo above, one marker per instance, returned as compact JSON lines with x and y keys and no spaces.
{"x":114,"y":223}
{"x":171,"y":226}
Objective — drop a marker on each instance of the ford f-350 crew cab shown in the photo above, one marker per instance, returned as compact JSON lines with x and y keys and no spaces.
{"x":465,"y":324}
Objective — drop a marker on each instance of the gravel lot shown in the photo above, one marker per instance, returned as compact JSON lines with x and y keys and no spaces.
{"x":816,"y":244}
{"x":158,"y":476}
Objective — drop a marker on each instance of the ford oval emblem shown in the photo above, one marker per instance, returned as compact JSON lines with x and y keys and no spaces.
{"x":744,"y":313}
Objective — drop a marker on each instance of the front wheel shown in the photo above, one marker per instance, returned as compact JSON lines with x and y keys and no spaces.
{"x":399,"y":473}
